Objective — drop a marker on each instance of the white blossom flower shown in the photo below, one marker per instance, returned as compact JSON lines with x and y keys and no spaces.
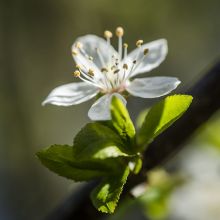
{"x":108,"y":72}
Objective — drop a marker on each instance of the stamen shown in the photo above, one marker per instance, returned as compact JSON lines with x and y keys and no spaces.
{"x":125,"y":49}
{"x":119,"y":33}
{"x":142,"y":58}
{"x":116,"y":71}
{"x":74,"y":52}
{"x":80,"y":72}
{"x":85,"y":54}
{"x":108,"y":34}
{"x":79,"y":45}
{"x":79,"y":67}
{"x":125,"y":66}
{"x":146,"y":51}
{"x":101,"y":86}
{"x":139,"y":43}
{"x":104,"y":70}
{"x":91,"y":72}
{"x":88,"y":79}
{"x":76,"y":73}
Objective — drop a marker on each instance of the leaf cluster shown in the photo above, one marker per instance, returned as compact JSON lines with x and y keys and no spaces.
{"x":111,"y":150}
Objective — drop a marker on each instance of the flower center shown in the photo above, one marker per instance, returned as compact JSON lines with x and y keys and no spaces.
{"x":116,"y":69}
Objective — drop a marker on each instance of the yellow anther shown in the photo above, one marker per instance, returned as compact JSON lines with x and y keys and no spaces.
{"x":104,"y":70}
{"x":146,"y":51}
{"x":125,"y":66}
{"x":91,"y":72}
{"x":125,"y":45}
{"x":74,"y":52}
{"x":119,"y":31}
{"x":108,"y":34}
{"x":139,"y":43}
{"x":79,"y":45}
{"x":76,"y":73}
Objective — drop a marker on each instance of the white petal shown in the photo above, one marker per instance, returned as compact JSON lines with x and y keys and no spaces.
{"x":71,"y":94}
{"x":90,"y":44}
{"x":157,"y":52}
{"x":100,"y":110}
{"x":152,"y":87}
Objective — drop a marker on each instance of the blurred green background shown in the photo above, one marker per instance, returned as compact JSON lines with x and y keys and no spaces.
{"x":35,"y":41}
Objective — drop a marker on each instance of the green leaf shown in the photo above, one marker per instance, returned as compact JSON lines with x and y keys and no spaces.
{"x":106,"y":195}
{"x":135,"y":164}
{"x":97,"y":141}
{"x":121,"y":121}
{"x":61,"y":160}
{"x":161,"y":116}
{"x":141,"y":117}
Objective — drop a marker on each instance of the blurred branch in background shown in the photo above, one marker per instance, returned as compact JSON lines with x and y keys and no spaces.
{"x":205,"y":92}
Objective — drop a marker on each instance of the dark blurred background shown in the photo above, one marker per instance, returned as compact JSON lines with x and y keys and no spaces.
{"x":35,"y":41}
